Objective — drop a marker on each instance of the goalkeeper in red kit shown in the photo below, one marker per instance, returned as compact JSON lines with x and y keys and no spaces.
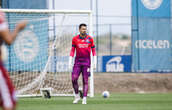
{"x":7,"y":92}
{"x":83,"y":44}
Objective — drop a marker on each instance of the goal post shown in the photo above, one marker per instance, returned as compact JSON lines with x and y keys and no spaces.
{"x":39,"y":56}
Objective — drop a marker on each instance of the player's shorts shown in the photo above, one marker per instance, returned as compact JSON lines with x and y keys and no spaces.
{"x":7,"y":92}
{"x":84,"y":69}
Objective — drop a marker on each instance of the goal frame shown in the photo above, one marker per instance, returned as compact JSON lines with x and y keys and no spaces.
{"x":90,"y":23}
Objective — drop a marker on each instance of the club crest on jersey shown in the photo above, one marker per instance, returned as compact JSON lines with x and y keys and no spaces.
{"x":88,"y":41}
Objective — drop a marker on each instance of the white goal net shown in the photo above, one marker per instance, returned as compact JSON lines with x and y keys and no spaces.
{"x":39,"y":56}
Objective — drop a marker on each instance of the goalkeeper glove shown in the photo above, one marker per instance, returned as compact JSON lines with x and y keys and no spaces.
{"x":70,"y":63}
{"x":95,"y":62}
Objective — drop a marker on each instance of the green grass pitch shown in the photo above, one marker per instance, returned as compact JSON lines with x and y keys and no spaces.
{"x":115,"y":102}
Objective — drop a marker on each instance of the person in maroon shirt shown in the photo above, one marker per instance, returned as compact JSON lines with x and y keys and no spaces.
{"x":83,"y":44}
{"x":7,"y":92}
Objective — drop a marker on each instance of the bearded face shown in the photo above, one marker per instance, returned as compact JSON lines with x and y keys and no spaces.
{"x":83,"y":30}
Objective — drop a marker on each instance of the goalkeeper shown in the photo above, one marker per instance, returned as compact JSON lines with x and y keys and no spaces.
{"x":83,"y":44}
{"x":7,"y":92}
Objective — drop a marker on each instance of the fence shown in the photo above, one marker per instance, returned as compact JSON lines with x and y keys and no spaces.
{"x":113,"y":44}
{"x":112,"y":39}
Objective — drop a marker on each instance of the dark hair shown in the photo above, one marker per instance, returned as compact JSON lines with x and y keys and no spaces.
{"x":83,"y":24}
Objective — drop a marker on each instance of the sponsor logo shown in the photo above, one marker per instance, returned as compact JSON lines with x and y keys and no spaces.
{"x":152,"y":44}
{"x":152,"y":4}
{"x":83,"y":45}
{"x":114,"y":65}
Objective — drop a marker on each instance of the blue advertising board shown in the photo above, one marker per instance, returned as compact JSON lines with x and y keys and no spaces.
{"x":118,"y":63}
{"x":30,"y":49}
{"x":61,"y":64}
{"x":25,"y":4}
{"x":151,"y":36}
{"x":151,"y":8}
{"x":58,"y":64}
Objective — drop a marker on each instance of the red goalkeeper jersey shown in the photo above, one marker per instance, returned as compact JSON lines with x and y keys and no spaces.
{"x":83,"y":48}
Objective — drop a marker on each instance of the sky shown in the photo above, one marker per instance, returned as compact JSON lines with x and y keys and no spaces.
{"x":115,"y":12}
{"x":106,"y":7}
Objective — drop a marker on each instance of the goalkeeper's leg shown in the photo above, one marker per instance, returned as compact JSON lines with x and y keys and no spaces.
{"x":75,"y":76}
{"x":85,"y":75}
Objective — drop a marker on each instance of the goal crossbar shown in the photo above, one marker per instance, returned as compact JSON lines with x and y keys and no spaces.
{"x":47,"y":11}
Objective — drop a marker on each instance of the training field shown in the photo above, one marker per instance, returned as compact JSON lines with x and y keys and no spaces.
{"x":123,"y":101}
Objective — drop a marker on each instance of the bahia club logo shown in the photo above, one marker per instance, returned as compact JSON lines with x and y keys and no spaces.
{"x":115,"y":65}
{"x":26,"y":46}
{"x":152,"y":4}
